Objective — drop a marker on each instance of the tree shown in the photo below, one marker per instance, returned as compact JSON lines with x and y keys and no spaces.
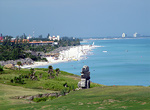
{"x":1,"y":68}
{"x":57,"y":71}
{"x":50,"y":71}
{"x":32,"y":72}
{"x":48,"y":35}
{"x":19,"y":64}
{"x":24,"y":36}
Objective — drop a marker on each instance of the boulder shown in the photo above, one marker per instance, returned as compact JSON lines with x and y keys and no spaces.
{"x":9,"y":66}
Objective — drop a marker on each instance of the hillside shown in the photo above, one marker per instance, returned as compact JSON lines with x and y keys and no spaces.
{"x":97,"y":97}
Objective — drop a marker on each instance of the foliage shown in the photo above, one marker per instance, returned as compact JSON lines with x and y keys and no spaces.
{"x":1,"y":68}
{"x":68,"y":41}
{"x":44,"y":59}
{"x":106,"y":97}
{"x":62,"y":92}
{"x":50,"y":71}
{"x":44,"y":82}
{"x":43,"y":99}
{"x":57,"y":71}
{"x":32,"y":70}
{"x":18,"y":80}
{"x":19,"y":64}
{"x":16,"y":50}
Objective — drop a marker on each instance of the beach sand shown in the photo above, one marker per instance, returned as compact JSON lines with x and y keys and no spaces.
{"x":74,"y":53}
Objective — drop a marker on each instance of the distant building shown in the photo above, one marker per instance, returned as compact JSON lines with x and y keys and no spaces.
{"x":12,"y":39}
{"x":1,"y":38}
{"x":136,"y":34}
{"x":29,"y":37}
{"x":54,"y":38}
{"x":124,"y":35}
{"x":41,"y":42}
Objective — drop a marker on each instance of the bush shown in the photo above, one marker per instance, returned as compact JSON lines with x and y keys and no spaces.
{"x":42,"y":99}
{"x":17,"y":80}
{"x":62,"y":92}
{"x":1,"y":68}
{"x":11,"y":80}
{"x":44,"y":59}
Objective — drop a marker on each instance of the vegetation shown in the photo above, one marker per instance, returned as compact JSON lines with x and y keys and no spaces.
{"x":57,"y":71}
{"x":19,"y":64}
{"x":43,"y":99}
{"x":66,"y":41}
{"x":97,"y":97}
{"x":16,"y":50}
{"x":38,"y":78}
{"x":1,"y":68}
{"x":106,"y":97}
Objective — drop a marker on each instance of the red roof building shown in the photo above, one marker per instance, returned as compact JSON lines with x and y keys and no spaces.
{"x":1,"y":38}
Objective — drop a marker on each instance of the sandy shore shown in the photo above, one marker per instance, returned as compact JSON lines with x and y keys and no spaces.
{"x":74,"y":53}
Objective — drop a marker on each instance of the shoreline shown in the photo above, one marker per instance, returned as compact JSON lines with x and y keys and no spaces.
{"x":73,"y":53}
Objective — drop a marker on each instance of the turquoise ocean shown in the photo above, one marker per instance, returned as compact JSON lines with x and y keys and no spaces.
{"x":118,"y":62}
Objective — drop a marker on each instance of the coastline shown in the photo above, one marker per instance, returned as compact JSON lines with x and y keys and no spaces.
{"x":73,"y":53}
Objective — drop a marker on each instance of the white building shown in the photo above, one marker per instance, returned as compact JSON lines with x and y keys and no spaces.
{"x":54,"y":38}
{"x":29,"y":37}
{"x":136,"y":34}
{"x":124,"y":35}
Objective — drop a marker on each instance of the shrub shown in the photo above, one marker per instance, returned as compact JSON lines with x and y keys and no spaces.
{"x":44,"y":59}
{"x":62,"y":92}
{"x":11,"y":80}
{"x":17,"y":80}
{"x":43,"y":99}
{"x":72,"y":87}
{"x":40,"y":99}
{"x":1,"y":68}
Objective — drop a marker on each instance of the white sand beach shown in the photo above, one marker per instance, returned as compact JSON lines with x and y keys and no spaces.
{"x":74,"y":53}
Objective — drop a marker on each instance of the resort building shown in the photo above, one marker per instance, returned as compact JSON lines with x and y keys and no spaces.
{"x":54,"y":38}
{"x":1,"y":38}
{"x":136,"y":34}
{"x":124,"y":35}
{"x":29,"y":37}
{"x":41,"y":42}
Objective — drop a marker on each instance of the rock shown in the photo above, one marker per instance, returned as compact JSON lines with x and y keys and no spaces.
{"x":30,"y":98}
{"x":9,"y":66}
{"x":85,"y":78}
{"x":53,"y":94}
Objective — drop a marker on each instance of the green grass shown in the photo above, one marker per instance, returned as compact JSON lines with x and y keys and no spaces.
{"x":95,"y":98}
{"x":56,"y":83}
{"x":8,"y":91}
{"x":107,"y":98}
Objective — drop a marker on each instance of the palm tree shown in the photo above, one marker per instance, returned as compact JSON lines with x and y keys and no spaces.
{"x":50,"y":70}
{"x":19,"y":64}
{"x":57,"y":71}
{"x":32,"y":73}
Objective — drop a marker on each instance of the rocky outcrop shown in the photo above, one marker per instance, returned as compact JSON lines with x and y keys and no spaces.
{"x":37,"y":96}
{"x":85,"y":78}
{"x":26,"y":61}
{"x":9,"y":66}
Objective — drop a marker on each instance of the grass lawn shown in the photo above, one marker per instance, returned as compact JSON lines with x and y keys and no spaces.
{"x":107,"y":98}
{"x":8,"y":91}
{"x":95,"y":98}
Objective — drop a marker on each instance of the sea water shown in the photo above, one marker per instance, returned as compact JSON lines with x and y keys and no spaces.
{"x":117,"y":62}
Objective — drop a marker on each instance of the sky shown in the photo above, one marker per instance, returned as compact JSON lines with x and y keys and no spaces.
{"x":74,"y":18}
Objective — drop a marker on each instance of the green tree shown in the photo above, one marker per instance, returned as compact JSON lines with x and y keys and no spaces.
{"x":19,"y":64}
{"x":57,"y":71}
{"x":48,"y":35}
{"x":50,"y":71}
{"x":1,"y":68}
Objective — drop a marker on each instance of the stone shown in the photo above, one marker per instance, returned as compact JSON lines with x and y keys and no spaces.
{"x":85,"y":78}
{"x":9,"y":66}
